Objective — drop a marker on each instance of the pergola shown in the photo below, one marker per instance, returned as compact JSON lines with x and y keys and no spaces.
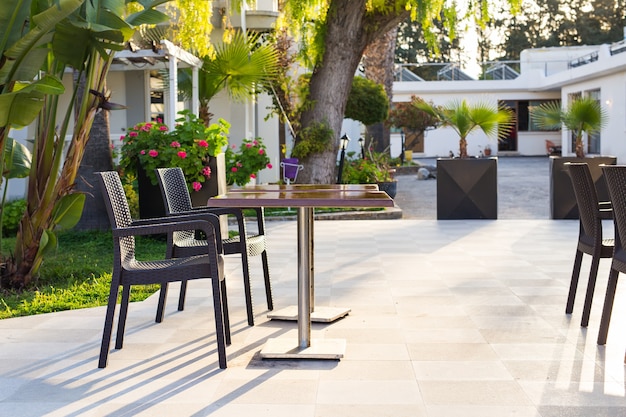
{"x":164,"y":56}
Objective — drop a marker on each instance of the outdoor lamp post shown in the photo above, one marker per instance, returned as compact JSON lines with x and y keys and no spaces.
{"x":343,"y":143}
{"x":362,"y":145}
{"x":402,"y":147}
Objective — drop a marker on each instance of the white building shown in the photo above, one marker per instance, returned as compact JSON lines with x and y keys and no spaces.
{"x":545,"y":74}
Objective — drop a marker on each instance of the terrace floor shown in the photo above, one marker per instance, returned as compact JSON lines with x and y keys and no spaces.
{"x":449,"y":318}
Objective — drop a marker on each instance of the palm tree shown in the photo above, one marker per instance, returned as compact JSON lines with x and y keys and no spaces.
{"x":584,"y":114}
{"x":239,"y":66}
{"x":464,"y":118}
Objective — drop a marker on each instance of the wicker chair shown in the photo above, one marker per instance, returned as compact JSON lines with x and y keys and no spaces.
{"x":615,"y":177}
{"x":590,"y":241}
{"x":178,"y":202}
{"x":128,"y":271}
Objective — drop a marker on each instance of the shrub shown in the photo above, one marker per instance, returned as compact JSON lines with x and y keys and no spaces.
{"x":12,"y":213}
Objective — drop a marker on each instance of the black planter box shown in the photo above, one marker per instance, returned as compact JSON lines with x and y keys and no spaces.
{"x":562,"y":198}
{"x":467,"y":188}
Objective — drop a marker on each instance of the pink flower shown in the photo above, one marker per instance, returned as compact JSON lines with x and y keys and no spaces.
{"x":132,"y":134}
{"x":122,"y":137}
{"x":159,"y":120}
{"x":149,"y":125}
{"x":261,"y":151}
{"x":196,"y":186}
{"x":153,"y":153}
{"x":175,"y":144}
{"x":142,"y":152}
{"x":206,"y":171}
{"x":234,"y":169}
{"x":163,"y":128}
{"x":255,"y":143}
{"x":203,"y":143}
{"x":248,"y":145}
{"x":239,"y":164}
{"x":268,"y":166}
{"x":234,"y":146}
{"x":253,"y":176}
{"x":182,"y":154}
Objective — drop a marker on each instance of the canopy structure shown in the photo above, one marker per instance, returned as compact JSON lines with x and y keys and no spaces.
{"x":164,"y":55}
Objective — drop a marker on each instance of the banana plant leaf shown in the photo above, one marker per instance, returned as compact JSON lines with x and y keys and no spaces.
{"x":17,"y":160}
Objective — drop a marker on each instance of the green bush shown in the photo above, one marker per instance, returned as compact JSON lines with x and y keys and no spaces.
{"x":316,"y":138}
{"x":12,"y":213}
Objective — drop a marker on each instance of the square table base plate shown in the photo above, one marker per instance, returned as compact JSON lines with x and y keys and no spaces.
{"x":319,"y":315}
{"x":287,"y":348}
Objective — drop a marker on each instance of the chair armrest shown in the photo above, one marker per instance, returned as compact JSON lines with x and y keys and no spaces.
{"x":152,"y":228}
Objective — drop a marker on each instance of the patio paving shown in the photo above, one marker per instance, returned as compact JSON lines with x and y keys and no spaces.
{"x":449,"y":318}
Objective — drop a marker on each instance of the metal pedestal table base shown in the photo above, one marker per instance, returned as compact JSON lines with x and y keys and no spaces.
{"x":319,"y":315}
{"x":286,"y":348}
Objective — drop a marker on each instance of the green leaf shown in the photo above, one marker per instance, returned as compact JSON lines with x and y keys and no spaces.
{"x":17,"y":160}
{"x":68,"y":210}
{"x":47,"y":244}
{"x":19,"y":108}
{"x":147,"y":17}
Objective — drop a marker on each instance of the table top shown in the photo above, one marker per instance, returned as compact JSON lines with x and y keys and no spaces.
{"x":314,"y":198}
{"x":305,"y":187}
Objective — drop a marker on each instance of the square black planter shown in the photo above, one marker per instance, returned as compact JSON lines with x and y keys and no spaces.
{"x":562,"y":198}
{"x":467,"y":188}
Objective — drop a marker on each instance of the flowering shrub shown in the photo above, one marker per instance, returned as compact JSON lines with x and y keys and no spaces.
{"x":374,"y":168}
{"x":152,"y":145}
{"x":244,"y":164}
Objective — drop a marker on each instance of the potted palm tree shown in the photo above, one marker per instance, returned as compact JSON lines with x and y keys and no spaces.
{"x":583,"y":116}
{"x":467,"y":188}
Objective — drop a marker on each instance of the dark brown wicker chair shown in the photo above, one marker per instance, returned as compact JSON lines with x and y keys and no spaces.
{"x":590,"y":241}
{"x":128,"y":271}
{"x":178,"y":202}
{"x":615,"y":177}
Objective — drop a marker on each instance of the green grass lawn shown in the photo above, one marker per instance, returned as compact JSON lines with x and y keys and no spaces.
{"x":77,"y":276}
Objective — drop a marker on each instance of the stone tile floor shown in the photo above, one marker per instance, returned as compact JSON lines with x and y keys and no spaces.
{"x":454,"y":318}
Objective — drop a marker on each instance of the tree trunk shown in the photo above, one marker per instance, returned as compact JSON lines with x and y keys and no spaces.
{"x":97,"y":158}
{"x":348,"y":31}
{"x":379,"y":67}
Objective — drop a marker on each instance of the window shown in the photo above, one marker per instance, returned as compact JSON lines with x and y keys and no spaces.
{"x":524,"y":120}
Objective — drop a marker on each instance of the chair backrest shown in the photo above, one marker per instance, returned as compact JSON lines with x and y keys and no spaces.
{"x":587,"y":200}
{"x":176,"y":197}
{"x":615,"y":176}
{"x":174,"y":190}
{"x":119,"y":212}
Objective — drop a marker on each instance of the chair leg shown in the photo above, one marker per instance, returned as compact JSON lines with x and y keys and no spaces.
{"x":268,"y":283}
{"x":591,"y":285}
{"x":573,"y":286}
{"x":108,"y":325}
{"x":121,"y":324}
{"x":608,"y":307}
{"x":182,"y":295}
{"x":219,"y":321}
{"x":225,"y":313}
{"x":162,"y":299}
{"x":246,"y":285}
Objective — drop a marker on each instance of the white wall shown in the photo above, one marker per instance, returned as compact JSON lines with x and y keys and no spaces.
{"x":613,"y":99}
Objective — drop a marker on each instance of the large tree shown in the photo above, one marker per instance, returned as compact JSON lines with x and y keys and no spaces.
{"x":340,"y":32}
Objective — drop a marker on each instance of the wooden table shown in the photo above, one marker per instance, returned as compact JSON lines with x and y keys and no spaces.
{"x":305,"y":197}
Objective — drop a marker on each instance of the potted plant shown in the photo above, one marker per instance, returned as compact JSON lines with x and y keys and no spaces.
{"x":375,"y":168}
{"x":584,"y":115}
{"x":468,"y":188}
{"x":243,"y":165}
{"x":413,"y":121}
{"x":194,"y":148}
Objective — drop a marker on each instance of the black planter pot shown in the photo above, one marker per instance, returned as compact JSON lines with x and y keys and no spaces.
{"x":389,"y":187}
{"x":562,"y":199}
{"x":467,"y":188}
{"x":151,"y":201}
